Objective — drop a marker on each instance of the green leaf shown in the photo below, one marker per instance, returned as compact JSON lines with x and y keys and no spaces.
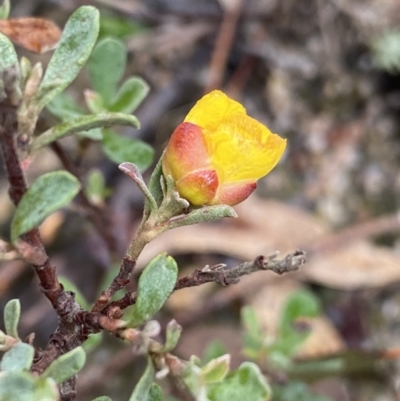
{"x":111,"y":25}
{"x":96,"y":189}
{"x":17,"y":386}
{"x":66,"y":365}
{"x":202,"y":215}
{"x":155,"y":187}
{"x":12,"y":313}
{"x":141,"y":391}
{"x":92,"y":342}
{"x":172,"y":335}
{"x":245,"y":383}
{"x":106,"y":67}
{"x":8,"y":57}
{"x":47,"y":194}
{"x":5,"y":9}
{"x":216,"y":369}
{"x":83,"y":123}
{"x":301,"y":304}
{"x":46,"y":390}
{"x":214,"y":350}
{"x":253,"y":337}
{"x":130,"y":95}
{"x":94,"y":102}
{"x":64,"y":107}
{"x":121,"y":149}
{"x":18,"y":358}
{"x":95,"y":134}
{"x":155,"y":285}
{"x":155,"y":393}
{"x":296,"y":391}
{"x":73,"y":50}
{"x":102,"y":398}
{"x":70,"y":286}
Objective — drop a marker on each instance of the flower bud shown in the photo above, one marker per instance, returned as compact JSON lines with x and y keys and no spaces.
{"x":218,"y":153}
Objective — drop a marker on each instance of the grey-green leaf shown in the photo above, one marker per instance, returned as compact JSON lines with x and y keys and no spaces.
{"x":202,"y":215}
{"x":301,"y":304}
{"x":18,"y":358}
{"x":247,"y":381}
{"x":66,"y":365}
{"x":46,"y":390}
{"x":155,"y":393}
{"x":73,"y":50}
{"x":8,"y":57}
{"x":121,"y":149}
{"x":172,"y":335}
{"x":141,"y":391}
{"x":5,"y":9}
{"x":17,"y":386}
{"x":12,"y":313}
{"x":216,"y":369}
{"x":64,"y":107}
{"x":102,"y":398}
{"x":130,"y":95}
{"x":47,"y":194}
{"x":155,"y":285}
{"x":106,"y":67}
{"x":83,"y":123}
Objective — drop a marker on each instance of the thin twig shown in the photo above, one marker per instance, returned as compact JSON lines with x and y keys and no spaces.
{"x":119,"y":282}
{"x":225,"y":275}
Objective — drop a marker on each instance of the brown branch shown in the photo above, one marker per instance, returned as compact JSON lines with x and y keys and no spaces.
{"x":225,"y":275}
{"x":8,"y":132}
{"x":32,"y":246}
{"x":119,"y":282}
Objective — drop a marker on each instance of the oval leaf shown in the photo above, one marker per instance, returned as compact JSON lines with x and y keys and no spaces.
{"x":12,"y":312}
{"x":73,"y":50}
{"x":121,"y":149}
{"x":106,"y":67}
{"x":155,"y":393}
{"x":47,"y":194}
{"x":238,"y":385}
{"x":216,"y":369}
{"x":84,"y":123}
{"x":8,"y":56}
{"x":66,"y":365}
{"x":5,"y":9}
{"x":130,"y":95}
{"x":301,"y":304}
{"x":17,"y":386}
{"x":46,"y":390}
{"x":18,"y":358}
{"x":142,"y":389}
{"x":155,"y":285}
{"x":102,"y":398}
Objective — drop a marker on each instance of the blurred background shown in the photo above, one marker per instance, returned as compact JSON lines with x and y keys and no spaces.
{"x":325,"y":74}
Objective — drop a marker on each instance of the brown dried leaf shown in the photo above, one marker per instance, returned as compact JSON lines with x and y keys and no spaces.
{"x":35,"y":34}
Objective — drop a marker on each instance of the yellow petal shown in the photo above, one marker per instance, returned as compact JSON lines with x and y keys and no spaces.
{"x":212,"y":109}
{"x":243,"y":149}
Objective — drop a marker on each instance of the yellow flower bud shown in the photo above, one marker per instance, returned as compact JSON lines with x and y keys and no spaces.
{"x":218,"y":153}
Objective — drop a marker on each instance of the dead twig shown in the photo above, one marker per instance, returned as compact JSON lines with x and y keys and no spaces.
{"x":225,"y":275}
